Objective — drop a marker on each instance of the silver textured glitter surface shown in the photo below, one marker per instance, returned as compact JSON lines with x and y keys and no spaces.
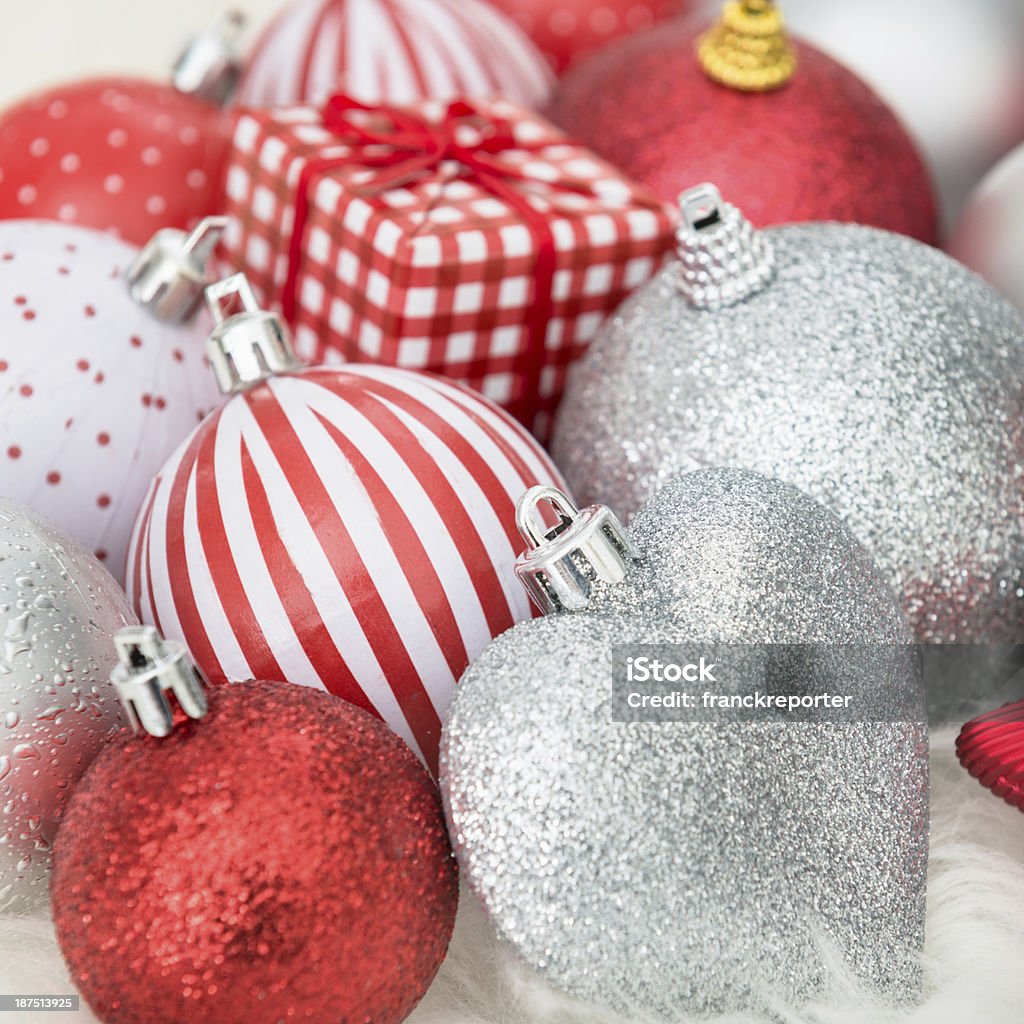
{"x":681,"y":868}
{"x":59,"y":609}
{"x":873,"y":372}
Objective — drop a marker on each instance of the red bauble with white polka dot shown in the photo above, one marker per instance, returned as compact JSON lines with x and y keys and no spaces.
{"x":565,"y":30}
{"x":125,"y":156}
{"x":95,"y":391}
{"x":349,"y":528}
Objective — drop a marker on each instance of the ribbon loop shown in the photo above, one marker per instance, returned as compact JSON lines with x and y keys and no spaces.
{"x":411,"y":144}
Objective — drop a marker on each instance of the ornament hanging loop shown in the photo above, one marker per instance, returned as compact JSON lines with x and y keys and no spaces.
{"x":748,"y":49}
{"x":210,"y":66}
{"x":247,"y":347}
{"x":169,"y":274}
{"x":722,"y":258}
{"x":563,"y":564}
{"x":150,"y":667}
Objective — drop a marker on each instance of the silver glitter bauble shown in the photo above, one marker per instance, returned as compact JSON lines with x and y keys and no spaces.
{"x":873,"y":372}
{"x":688,"y":867}
{"x":59,"y":609}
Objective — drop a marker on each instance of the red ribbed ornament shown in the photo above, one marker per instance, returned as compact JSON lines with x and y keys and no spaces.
{"x":991,"y":748}
{"x":810,"y":142}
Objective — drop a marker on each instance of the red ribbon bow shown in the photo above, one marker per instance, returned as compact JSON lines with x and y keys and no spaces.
{"x":391,"y":137}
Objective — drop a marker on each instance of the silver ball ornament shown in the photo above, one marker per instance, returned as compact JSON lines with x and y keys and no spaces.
{"x":872,"y":372}
{"x":683,"y":867}
{"x":59,"y":609}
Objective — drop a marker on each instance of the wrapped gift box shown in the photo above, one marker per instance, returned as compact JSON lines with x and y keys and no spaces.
{"x":472,"y":240}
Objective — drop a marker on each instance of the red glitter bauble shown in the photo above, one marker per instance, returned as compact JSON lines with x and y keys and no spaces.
{"x":117,"y":154}
{"x":991,"y":748}
{"x":823,"y":146}
{"x":282,"y":859}
{"x":568,"y":30}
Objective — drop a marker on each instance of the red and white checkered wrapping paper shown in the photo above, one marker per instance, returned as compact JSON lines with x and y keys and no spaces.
{"x":437,"y":273}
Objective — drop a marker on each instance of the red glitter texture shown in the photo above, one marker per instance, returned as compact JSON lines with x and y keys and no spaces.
{"x":284,"y":859}
{"x":822,"y":147}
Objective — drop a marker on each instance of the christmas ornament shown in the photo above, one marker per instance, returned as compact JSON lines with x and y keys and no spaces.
{"x":472,"y":240}
{"x":393,"y":51}
{"x":348,"y":528}
{"x":991,"y":748}
{"x":871,"y":371}
{"x":568,"y":30}
{"x":59,"y":609}
{"x":296,"y":867}
{"x":101,"y":370}
{"x":953,"y":74}
{"x":124,"y":155}
{"x":988,"y":237}
{"x":784,"y":128}
{"x":554,"y":802}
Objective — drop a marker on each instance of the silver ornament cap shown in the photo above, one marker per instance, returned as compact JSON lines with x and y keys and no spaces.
{"x":169,"y":275}
{"x":722,"y":258}
{"x":210,"y":66}
{"x":562,"y":564}
{"x":249,"y":346}
{"x":149,"y":669}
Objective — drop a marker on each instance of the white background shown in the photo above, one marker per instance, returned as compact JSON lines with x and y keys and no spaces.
{"x":44,"y":42}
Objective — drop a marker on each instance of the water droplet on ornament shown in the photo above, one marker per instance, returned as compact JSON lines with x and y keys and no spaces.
{"x":50,"y":713}
{"x":26,"y":752}
{"x":43,"y":601}
{"x":11,"y":719}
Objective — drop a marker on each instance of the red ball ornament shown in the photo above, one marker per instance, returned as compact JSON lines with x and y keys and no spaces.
{"x":782,"y":127}
{"x":568,"y":30}
{"x":278,"y":855}
{"x":123,"y":155}
{"x":991,"y":748}
{"x":393,"y":52}
{"x":351,"y":528}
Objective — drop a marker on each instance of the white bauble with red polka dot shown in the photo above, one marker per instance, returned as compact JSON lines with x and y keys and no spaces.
{"x":122,"y":155}
{"x":95,"y":392}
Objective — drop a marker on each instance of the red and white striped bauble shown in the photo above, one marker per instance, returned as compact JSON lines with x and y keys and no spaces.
{"x":347,"y":528}
{"x":394,"y":51}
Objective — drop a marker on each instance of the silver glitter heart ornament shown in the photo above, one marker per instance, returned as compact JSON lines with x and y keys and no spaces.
{"x":873,"y":372}
{"x":59,"y":609}
{"x":687,"y":867}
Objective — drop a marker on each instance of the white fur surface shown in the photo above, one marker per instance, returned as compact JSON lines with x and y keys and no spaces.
{"x":974,"y":956}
